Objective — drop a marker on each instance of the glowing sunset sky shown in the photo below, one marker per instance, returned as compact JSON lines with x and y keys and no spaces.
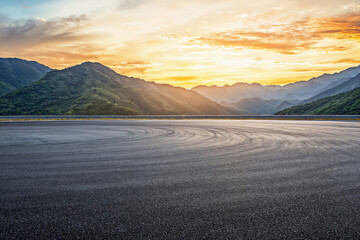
{"x":187,"y":42}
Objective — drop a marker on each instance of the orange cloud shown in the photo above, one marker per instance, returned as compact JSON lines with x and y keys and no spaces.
{"x":343,"y":27}
{"x":180,"y":46}
{"x":130,"y":67}
{"x":290,"y":38}
{"x":345,"y":60}
{"x":19,"y":35}
{"x":321,"y":70}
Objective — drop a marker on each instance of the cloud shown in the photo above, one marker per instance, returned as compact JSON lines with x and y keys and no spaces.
{"x":3,"y":18}
{"x":130,"y":4}
{"x":23,"y":34}
{"x":202,"y":41}
{"x":313,"y":69}
{"x":342,"y":27}
{"x":130,"y":67}
{"x":345,"y":60}
{"x":58,"y":42}
{"x":282,"y":43}
{"x":291,"y":38}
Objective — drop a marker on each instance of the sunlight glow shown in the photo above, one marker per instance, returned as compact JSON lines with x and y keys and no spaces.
{"x":187,"y":43}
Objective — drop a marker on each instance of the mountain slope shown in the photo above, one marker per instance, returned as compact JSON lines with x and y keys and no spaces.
{"x":236,"y":92}
{"x":306,"y":89}
{"x":16,"y":73}
{"x":258,"y":106}
{"x":91,"y":88}
{"x":347,"y":103}
{"x":293,"y":93}
{"x":343,"y":87}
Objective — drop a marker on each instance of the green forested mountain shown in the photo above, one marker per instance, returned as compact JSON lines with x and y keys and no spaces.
{"x":91,"y":88}
{"x":347,"y":103}
{"x":16,"y":73}
{"x":341,"y":88}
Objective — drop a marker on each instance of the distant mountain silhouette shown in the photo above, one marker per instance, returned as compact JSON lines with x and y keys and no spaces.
{"x":258,"y":106}
{"x":347,"y":103}
{"x":343,"y":87}
{"x":258,"y":99}
{"x":16,"y":73}
{"x":92,"y":88}
{"x":303,"y":90}
{"x":236,"y":92}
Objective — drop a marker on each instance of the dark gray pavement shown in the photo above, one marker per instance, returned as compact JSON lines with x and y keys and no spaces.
{"x":180,"y":179}
{"x":190,"y":117}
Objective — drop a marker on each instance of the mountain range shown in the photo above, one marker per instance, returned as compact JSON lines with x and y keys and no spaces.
{"x":27,"y":87}
{"x":345,"y":86}
{"x":16,"y":73}
{"x":257,"y":106}
{"x":93,"y":89}
{"x":257,"y":99}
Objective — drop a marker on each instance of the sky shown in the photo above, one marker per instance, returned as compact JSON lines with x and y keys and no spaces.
{"x":189,"y":42}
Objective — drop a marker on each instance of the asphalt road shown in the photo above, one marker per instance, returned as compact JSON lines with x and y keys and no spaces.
{"x":180,"y":179}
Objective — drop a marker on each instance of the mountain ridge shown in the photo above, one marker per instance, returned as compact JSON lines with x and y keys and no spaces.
{"x":16,"y":73}
{"x":291,"y":94}
{"x":346,"y":86}
{"x":92,"y":88}
{"x":347,"y":103}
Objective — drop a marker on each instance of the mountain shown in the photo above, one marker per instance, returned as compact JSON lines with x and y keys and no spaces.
{"x":92,"y":88}
{"x":236,"y":92}
{"x":343,"y":87}
{"x":16,"y":73}
{"x":297,"y":91}
{"x":258,"y":106}
{"x":290,"y":94}
{"x":347,"y":103}
{"x":303,"y":90}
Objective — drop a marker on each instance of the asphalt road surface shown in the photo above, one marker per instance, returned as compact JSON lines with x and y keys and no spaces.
{"x":180,"y":179}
